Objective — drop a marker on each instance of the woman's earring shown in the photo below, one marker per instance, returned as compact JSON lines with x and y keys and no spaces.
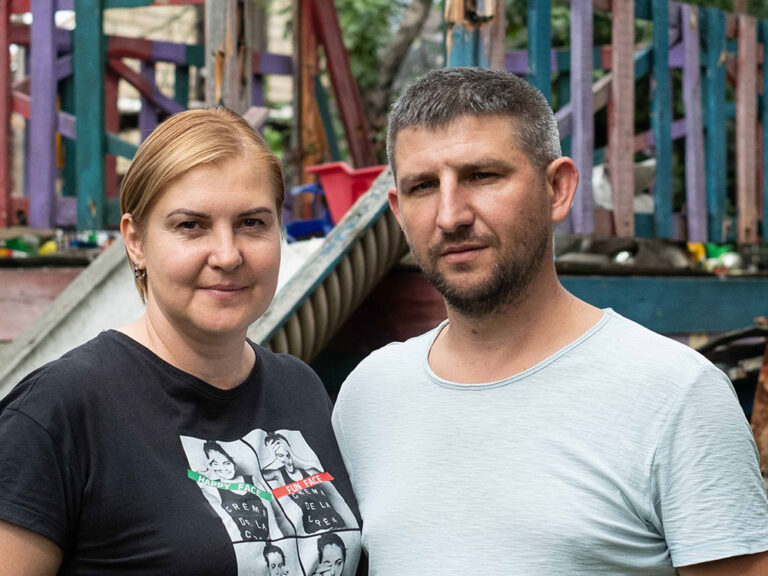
{"x":138,"y":272}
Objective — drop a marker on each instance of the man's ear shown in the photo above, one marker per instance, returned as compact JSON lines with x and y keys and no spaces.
{"x":394,"y":205}
{"x":562,"y":181}
{"x":133,"y":240}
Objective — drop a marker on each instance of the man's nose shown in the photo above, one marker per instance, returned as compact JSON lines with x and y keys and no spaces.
{"x":454,"y":210}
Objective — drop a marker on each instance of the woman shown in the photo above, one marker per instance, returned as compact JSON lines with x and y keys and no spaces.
{"x":100,"y":450}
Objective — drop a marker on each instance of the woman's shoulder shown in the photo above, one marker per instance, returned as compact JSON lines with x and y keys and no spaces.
{"x":287,"y":372}
{"x":69,"y":378}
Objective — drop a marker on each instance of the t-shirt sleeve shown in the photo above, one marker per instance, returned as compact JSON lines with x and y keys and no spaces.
{"x":708,"y":494}
{"x":38,"y":490}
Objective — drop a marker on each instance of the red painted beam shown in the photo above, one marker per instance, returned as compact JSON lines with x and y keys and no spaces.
{"x":19,"y":6}
{"x":140,"y":48}
{"x":326,"y":25}
{"x":21,"y":104}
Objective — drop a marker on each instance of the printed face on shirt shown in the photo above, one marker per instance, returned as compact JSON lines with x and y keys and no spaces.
{"x":283,"y":454}
{"x":222,"y":465}
{"x":276,"y":565}
{"x":332,"y":561}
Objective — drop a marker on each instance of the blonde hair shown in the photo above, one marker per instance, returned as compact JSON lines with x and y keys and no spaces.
{"x":184,"y":142}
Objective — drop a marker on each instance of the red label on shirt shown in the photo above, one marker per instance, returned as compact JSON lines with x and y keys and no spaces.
{"x":302,"y":484}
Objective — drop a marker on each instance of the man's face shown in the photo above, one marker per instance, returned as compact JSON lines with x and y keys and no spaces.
{"x":275,"y":564}
{"x":283,"y":453}
{"x":474,"y":209}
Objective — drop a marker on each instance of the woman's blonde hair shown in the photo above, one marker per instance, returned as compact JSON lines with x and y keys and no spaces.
{"x":184,"y":142}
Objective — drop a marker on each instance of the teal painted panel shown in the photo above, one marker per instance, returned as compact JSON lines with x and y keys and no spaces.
{"x":715,"y":113}
{"x":127,"y":3}
{"x":195,"y":54}
{"x":661,"y":120}
{"x":116,"y":146}
{"x":539,"y":46}
{"x":113,"y":212}
{"x":711,"y":304}
{"x":181,"y":85}
{"x":88,"y":49}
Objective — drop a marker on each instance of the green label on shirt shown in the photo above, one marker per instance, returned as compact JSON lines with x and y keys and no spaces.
{"x":231,"y":486}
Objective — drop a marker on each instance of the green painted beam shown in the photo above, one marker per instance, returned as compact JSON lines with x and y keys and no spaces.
{"x":116,"y":146}
{"x":661,"y":120}
{"x":181,"y":85}
{"x":712,"y":304}
{"x":539,"y":41}
{"x":88,"y":48}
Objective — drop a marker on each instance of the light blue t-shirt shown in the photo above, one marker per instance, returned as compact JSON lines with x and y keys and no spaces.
{"x":623,"y":453}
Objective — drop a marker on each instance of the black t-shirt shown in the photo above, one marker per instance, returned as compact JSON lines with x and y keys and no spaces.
{"x":132,"y":466}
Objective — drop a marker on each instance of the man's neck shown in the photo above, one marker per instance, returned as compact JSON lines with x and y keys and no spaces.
{"x":543,"y":320}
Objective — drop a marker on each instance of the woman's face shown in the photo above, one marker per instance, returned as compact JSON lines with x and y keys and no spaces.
{"x":211,"y":247}
{"x":221,"y":464}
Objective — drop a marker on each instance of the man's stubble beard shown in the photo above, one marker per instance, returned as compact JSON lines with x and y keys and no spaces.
{"x":513,"y":271}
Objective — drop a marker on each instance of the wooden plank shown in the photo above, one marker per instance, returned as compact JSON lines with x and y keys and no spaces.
{"x":146,"y":87}
{"x":181,"y":85}
{"x":327,"y":27}
{"x":716,"y":169}
{"x":719,"y":304}
{"x":746,"y":131}
{"x":6,"y":104}
{"x":539,"y":46}
{"x":111,"y":124}
{"x":147,"y":112}
{"x":582,"y":119}
{"x":229,"y":57}
{"x":661,"y":121}
{"x":695,"y":187}
{"x":42,"y":125}
{"x":764,"y":123}
{"x":89,"y":110}
{"x":116,"y":146}
{"x":621,"y":136}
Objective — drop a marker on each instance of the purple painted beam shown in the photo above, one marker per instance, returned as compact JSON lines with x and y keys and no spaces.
{"x":268,"y":63}
{"x":695,"y":193}
{"x":64,"y":67}
{"x":42,"y":138}
{"x":677,"y":56}
{"x":66,"y":125}
{"x":582,"y":119}
{"x":148,"y":113}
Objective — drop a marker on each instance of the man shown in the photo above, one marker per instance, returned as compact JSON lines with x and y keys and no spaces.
{"x":275,"y":560}
{"x":531,"y":433}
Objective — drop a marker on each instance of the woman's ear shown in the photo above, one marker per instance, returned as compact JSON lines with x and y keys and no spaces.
{"x":133,"y":240}
{"x":562,"y":181}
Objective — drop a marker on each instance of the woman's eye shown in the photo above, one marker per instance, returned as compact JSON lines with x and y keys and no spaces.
{"x":189,"y":225}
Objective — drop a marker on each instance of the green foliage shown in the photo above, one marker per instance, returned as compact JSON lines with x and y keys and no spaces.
{"x":367,"y":26}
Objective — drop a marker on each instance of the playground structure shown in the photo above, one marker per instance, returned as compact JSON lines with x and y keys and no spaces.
{"x":366,"y":243}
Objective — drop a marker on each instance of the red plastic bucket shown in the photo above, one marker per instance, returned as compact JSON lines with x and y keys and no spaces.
{"x":343,"y":185}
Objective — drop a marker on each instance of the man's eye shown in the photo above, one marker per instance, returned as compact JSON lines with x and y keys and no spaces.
{"x":422,"y":186}
{"x":480,"y":176}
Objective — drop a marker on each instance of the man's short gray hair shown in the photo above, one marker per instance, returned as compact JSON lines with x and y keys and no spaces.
{"x":440,"y":96}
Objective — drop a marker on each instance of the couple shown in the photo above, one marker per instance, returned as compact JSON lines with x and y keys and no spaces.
{"x":530,"y":433}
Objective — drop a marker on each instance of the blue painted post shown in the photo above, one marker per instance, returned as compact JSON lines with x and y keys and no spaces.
{"x":539,"y":42}
{"x":713,"y":27}
{"x":661,"y":120}
{"x":694,"y":137}
{"x":89,"y":110}
{"x":43,"y":116}
{"x":764,"y":115}
{"x":583,"y":143}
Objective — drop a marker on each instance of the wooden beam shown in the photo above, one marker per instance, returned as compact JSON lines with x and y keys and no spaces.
{"x":6,"y":182}
{"x":42,"y":125}
{"x":661,"y":121}
{"x":696,"y":193}
{"x":621,"y":135}
{"x":746,"y":131}
{"x":582,"y":213}
{"x":764,"y":121}
{"x":326,"y":24}
{"x":539,"y":46}
{"x":148,"y":113}
{"x":89,"y":110}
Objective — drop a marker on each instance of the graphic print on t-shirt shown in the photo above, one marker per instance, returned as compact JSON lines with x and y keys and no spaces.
{"x":276,"y":502}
